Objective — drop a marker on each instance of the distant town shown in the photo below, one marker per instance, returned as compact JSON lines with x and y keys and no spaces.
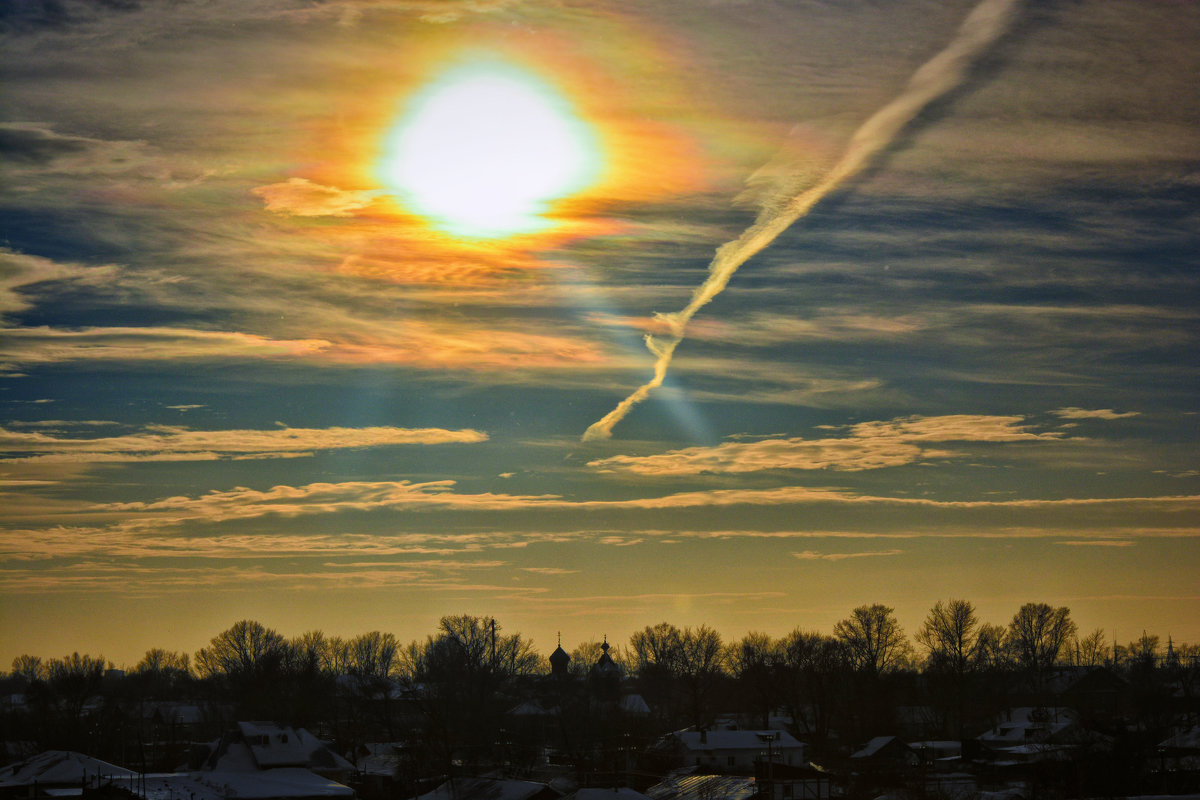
{"x":959,"y":709}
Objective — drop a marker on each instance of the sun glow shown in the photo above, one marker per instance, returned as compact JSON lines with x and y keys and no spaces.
{"x":486,"y":150}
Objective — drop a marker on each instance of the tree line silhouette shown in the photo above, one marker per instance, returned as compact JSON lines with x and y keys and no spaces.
{"x":448,"y":699}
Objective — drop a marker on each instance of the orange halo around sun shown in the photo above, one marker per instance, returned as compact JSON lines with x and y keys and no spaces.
{"x":490,"y":150}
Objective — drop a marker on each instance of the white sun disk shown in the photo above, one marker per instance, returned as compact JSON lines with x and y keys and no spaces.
{"x":485,"y":150}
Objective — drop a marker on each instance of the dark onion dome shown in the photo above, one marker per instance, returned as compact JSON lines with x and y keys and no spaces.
{"x":559,"y":659}
{"x":605,"y":664}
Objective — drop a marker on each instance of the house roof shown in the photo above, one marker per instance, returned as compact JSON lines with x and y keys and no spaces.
{"x":174,"y":713}
{"x":703,"y":787}
{"x":62,"y":768}
{"x":878,"y":744}
{"x":282,"y":782}
{"x":736,"y":740}
{"x":529,"y":708}
{"x":1183,"y":740}
{"x":615,"y":793}
{"x":488,"y":789}
{"x":1022,"y":724}
{"x":271,"y":745}
{"x":634,"y":704}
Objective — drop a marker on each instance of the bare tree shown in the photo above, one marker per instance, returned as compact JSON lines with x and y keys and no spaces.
{"x":810,"y":670}
{"x":874,"y":641}
{"x":246,"y":648}
{"x":158,"y":660}
{"x":950,"y":635}
{"x":679,"y":668}
{"x":657,"y":654}
{"x":701,"y":668}
{"x":251,"y":660}
{"x":991,"y":649}
{"x":1090,"y":650}
{"x":657,"y":647}
{"x":1141,"y":653}
{"x":754,"y":661}
{"x":1037,"y":635}
{"x":458,"y":677}
{"x":31,"y":668}
{"x":309,"y":653}
{"x":73,"y":680}
{"x":373,"y":656}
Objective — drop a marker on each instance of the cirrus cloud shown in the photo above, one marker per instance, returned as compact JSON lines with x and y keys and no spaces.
{"x":1073,"y":412}
{"x":174,"y":443}
{"x":813,"y":555}
{"x":301,"y":197}
{"x":869,"y":445}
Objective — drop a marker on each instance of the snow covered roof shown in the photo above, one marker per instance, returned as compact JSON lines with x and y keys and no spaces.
{"x":529,"y":708}
{"x":174,"y":713}
{"x":875,"y":745}
{"x":615,"y":793}
{"x":1184,"y":740}
{"x":292,"y":783}
{"x":271,"y":745}
{"x":634,"y":704}
{"x":62,"y":768}
{"x":703,"y":787}
{"x":488,"y":789}
{"x":938,"y":748}
{"x":289,"y":782}
{"x":1027,"y":723}
{"x":736,"y":740}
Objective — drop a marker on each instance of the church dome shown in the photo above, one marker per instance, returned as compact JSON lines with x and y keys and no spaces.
{"x":559,"y":660}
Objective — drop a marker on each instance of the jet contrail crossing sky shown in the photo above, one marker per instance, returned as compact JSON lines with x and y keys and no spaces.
{"x":986,"y":23}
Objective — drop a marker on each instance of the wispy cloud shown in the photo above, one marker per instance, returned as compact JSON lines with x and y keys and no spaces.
{"x":358,"y":496}
{"x":172,"y":443}
{"x":43,"y":345}
{"x":302,"y":198}
{"x":416,"y":343}
{"x":813,"y":555}
{"x":869,"y":445}
{"x":1072,"y":412}
{"x":19,"y":271}
{"x":953,"y":428}
{"x":1117,"y":533}
{"x":35,"y":151}
{"x":132,"y":539}
{"x":794,"y":453}
{"x":149,"y":580}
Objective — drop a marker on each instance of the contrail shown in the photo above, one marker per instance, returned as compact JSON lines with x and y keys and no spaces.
{"x":984,"y":25}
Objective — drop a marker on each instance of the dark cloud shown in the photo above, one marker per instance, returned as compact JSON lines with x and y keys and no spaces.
{"x":24,"y":16}
{"x":32,"y":146}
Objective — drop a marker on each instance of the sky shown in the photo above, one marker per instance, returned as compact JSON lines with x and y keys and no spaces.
{"x":349,"y":315}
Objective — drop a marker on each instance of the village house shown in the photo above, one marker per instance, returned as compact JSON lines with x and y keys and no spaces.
{"x":738,"y":750}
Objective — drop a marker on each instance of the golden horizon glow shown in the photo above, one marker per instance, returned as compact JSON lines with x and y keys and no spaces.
{"x":486,"y":149}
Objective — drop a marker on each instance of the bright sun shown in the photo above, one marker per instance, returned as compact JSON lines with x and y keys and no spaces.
{"x":486,"y":149}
